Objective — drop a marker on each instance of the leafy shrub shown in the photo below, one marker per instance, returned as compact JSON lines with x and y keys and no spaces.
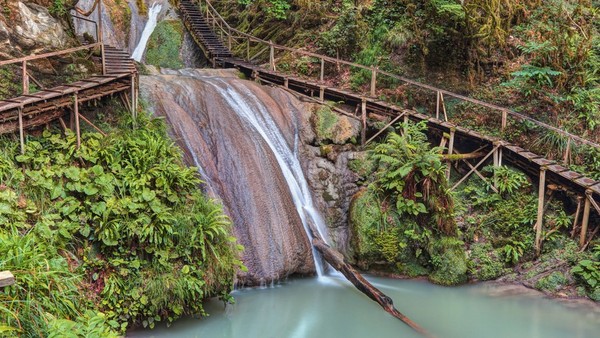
{"x":551,"y":283}
{"x":587,"y":271}
{"x":484,"y":262}
{"x":148,"y":243}
{"x":448,"y":260}
{"x":164,"y":45}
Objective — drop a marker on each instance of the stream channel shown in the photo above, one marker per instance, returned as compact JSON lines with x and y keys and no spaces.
{"x":330,"y":307}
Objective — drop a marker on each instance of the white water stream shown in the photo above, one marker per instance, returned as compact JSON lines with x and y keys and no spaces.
{"x":148,"y":29}
{"x":258,"y":117}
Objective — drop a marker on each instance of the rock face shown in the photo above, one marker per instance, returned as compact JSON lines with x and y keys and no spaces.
{"x":331,"y":181}
{"x":27,"y":28}
{"x":237,"y":164}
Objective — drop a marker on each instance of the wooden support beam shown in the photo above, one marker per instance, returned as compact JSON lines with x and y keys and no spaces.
{"x":567,"y":153}
{"x":247,"y":48}
{"x":504,"y":119}
{"x":384,"y":128}
{"x":443,"y":106}
{"x":21,"y":131}
{"x":6,"y":278}
{"x":363,"y":133}
{"x":100,"y":34}
{"x":322,"y":93}
{"x":322,"y":75}
{"x":450,"y":151}
{"x":584,"y":222}
{"x":271,"y":56}
{"x":437,"y":104}
{"x":25,"y":76}
{"x":540,"y":213}
{"x":92,"y":125}
{"x":373,"y":81}
{"x":473,"y":169}
{"x":77,"y":126}
{"x":476,"y":171}
{"x":577,"y":214}
{"x":588,"y":193}
{"x":286,"y":83}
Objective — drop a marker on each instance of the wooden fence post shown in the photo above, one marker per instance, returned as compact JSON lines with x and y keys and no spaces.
{"x":585,"y":221}
{"x":373,"y":81}
{"x":248,"y":49}
{"x":363,"y":134}
{"x":504,"y":119}
{"x":21,"y":131}
{"x":450,"y":151}
{"x":322,"y":77}
{"x":567,"y":152}
{"x":437,"y":105}
{"x":540,"y":212}
{"x":25,"y":78}
{"x":271,"y":55}
{"x":77,"y":126}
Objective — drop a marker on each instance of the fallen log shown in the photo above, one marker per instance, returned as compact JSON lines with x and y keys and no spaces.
{"x":337,"y":261}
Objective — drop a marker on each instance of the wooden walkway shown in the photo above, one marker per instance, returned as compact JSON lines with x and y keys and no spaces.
{"x":549,"y":173}
{"x":33,"y":109}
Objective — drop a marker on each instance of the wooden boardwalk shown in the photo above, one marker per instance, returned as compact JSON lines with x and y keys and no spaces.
{"x":549,"y":173}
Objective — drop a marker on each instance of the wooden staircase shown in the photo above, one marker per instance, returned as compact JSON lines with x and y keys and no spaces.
{"x":117,"y":61}
{"x":202,"y":33}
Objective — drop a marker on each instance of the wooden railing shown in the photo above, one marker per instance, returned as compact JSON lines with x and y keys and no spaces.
{"x":235,"y":38}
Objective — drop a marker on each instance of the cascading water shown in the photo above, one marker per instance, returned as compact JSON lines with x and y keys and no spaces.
{"x":148,"y":29}
{"x":259,"y":118}
{"x":254,"y":171}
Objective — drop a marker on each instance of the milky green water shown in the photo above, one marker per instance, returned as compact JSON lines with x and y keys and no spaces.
{"x":331,"y":307}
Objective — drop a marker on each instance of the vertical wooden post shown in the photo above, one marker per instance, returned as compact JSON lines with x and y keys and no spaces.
{"x":100,"y":34}
{"x":103,"y":59}
{"x":500,"y":153}
{"x":322,"y":76}
{"x":450,"y":151}
{"x":271,"y":55}
{"x":540,"y":212}
{"x":229,"y":39}
{"x":437,"y":105}
{"x":21,"y":131}
{"x":77,"y":127}
{"x":25,"y":78}
{"x":133,"y":102}
{"x":286,"y":82}
{"x":373,"y":81}
{"x":577,"y":214}
{"x":443,"y":104}
{"x":504,"y":119}
{"x":247,"y":48}
{"x":322,"y":93}
{"x":567,"y":152}
{"x":585,"y":221}
{"x":405,"y":124}
{"x":363,"y":134}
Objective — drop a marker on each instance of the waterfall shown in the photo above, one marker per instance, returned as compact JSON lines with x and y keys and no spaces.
{"x":259,"y":118}
{"x":246,"y":139}
{"x":148,"y":29}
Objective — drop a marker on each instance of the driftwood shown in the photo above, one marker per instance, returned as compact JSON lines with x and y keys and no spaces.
{"x":337,"y":261}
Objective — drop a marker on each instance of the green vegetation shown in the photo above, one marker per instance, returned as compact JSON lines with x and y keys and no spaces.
{"x":164,"y":45}
{"x":108,"y":236}
{"x":587,"y":272}
{"x":405,"y":216}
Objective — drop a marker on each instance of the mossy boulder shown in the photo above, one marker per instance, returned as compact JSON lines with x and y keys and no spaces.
{"x":331,"y":127}
{"x":164,"y":45}
{"x":448,"y":260}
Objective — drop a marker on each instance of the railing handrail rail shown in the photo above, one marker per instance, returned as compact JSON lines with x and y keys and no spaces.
{"x":398,"y":77}
{"x":51,"y":54}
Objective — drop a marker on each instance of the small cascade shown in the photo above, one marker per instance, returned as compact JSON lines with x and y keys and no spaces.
{"x":259,"y":118}
{"x":148,"y":29}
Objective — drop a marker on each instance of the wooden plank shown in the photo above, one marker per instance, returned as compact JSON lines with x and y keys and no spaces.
{"x":6,"y":278}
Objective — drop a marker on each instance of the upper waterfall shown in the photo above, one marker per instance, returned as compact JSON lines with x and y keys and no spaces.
{"x":148,"y":29}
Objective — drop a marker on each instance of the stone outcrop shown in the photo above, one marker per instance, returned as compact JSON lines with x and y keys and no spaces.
{"x":238,"y":165}
{"x":28,"y":28}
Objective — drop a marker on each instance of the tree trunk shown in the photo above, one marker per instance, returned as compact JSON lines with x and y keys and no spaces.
{"x":336,"y":260}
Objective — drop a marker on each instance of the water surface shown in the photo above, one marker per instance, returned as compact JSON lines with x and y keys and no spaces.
{"x":331,"y":307}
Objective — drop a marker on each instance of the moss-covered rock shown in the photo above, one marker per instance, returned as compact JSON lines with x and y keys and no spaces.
{"x":552,"y":283}
{"x":331,"y":127}
{"x":164,"y":45}
{"x":449,"y":261}
{"x":485,"y":263}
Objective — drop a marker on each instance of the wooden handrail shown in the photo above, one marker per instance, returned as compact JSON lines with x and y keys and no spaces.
{"x":51,"y":54}
{"x":219,"y":21}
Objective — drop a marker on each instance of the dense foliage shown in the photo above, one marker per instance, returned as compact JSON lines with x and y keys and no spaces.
{"x":107,"y":236}
{"x":405,"y":216}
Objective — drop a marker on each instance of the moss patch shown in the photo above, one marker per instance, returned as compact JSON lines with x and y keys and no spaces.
{"x":164,"y":45}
